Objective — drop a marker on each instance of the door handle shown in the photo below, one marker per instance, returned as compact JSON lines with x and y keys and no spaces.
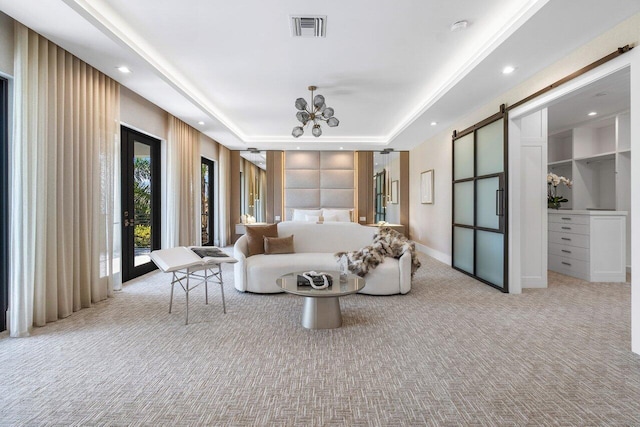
{"x":499,"y":202}
{"x":566,"y":251}
{"x":565,"y":238}
{"x":566,"y":228}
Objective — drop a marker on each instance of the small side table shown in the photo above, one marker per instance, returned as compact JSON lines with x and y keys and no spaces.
{"x":321,"y":308}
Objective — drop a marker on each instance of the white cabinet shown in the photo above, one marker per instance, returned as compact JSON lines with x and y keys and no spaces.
{"x":597,"y":158}
{"x":589,"y":245}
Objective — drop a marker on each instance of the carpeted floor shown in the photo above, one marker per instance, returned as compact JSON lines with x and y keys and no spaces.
{"x":451,"y":352}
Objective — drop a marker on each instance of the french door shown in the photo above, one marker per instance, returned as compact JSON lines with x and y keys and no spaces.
{"x":4,"y":203}
{"x":207,"y":202}
{"x":480,"y":202}
{"x":140,"y":202}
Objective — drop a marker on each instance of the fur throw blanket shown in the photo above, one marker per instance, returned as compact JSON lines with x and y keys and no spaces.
{"x":388,"y":242}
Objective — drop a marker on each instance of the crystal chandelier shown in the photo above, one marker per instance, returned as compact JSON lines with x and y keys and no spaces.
{"x":314,"y":114}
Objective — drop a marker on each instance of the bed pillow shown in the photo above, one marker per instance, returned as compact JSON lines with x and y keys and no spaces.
{"x":278,"y":245}
{"x":312,"y":218}
{"x":300,"y":214}
{"x":255,"y":237}
{"x":342,"y":215}
{"x":330,"y":218}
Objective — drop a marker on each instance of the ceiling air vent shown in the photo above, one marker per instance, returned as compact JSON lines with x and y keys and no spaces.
{"x":308,"y":26}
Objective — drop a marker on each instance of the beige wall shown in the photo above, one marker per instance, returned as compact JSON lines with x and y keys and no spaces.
{"x":142,"y":115}
{"x":208,"y":147}
{"x":6,"y":45}
{"x":430,"y":225}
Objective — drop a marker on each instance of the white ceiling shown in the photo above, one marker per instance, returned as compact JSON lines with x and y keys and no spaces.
{"x":387,"y":68}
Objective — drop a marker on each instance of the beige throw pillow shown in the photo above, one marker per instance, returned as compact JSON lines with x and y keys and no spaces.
{"x":278,"y":245}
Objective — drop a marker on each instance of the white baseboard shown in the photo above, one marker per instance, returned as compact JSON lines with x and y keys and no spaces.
{"x":440,"y":256}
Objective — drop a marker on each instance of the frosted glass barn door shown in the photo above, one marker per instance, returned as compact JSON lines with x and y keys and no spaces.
{"x":479,"y":202}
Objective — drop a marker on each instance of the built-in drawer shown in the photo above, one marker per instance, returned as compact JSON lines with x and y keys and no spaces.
{"x":578,"y":240}
{"x":569,"y":228}
{"x":568,"y":218}
{"x":568,"y":266}
{"x":566,"y":251}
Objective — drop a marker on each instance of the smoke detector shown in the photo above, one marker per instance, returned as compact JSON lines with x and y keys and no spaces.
{"x":308,"y":26}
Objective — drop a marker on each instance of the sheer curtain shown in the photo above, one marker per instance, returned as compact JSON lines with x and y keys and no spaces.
{"x":223,"y":200}
{"x":63,"y":158}
{"x":183,"y":185}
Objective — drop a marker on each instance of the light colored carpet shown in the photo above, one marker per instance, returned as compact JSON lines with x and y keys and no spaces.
{"x":452,"y":352}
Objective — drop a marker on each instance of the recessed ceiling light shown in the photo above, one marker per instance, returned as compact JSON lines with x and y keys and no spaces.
{"x":459,"y":25}
{"x":434,"y":123}
{"x":508,"y":69}
{"x":200,"y":122}
{"x":297,"y":148}
{"x":124,"y":69}
{"x":342,"y":148}
{"x":593,"y":113}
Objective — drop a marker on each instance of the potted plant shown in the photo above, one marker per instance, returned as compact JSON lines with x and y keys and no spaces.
{"x":553,"y":199}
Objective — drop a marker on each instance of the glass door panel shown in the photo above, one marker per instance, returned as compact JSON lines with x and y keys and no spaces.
{"x":207,"y":200}
{"x":463,"y":157}
{"x":463,"y":244}
{"x":489,"y":203}
{"x":463,"y":203}
{"x":490,"y":257}
{"x":490,"y":148}
{"x":143,"y":229}
{"x":4,"y":202}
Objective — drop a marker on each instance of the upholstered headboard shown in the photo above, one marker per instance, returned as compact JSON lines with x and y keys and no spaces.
{"x":318,"y":179}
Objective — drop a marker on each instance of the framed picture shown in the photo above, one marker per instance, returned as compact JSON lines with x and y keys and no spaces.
{"x":426,"y":187}
{"x":394,"y":192}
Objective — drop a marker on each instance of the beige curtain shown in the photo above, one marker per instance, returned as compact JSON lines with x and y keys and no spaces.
{"x":65,"y":145}
{"x":224,"y":186}
{"x":183,"y":184}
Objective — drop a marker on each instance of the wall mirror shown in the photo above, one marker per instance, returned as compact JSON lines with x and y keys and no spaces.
{"x":386,"y":174}
{"x":253,"y":186}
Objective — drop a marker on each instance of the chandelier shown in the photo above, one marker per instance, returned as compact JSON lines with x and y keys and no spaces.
{"x":314,"y":114}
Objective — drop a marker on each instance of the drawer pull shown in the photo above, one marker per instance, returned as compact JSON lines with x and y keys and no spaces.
{"x":566,"y":263}
{"x":566,"y":228}
{"x":565,"y":251}
{"x":565,"y":238}
{"x":566,"y":218}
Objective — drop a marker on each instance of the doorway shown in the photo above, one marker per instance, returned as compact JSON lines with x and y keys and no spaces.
{"x":140,"y":202}
{"x":207,"y":202}
{"x":522,"y":250}
{"x":4,"y":203}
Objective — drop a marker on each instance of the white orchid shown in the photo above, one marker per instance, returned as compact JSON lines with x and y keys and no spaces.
{"x":553,"y":180}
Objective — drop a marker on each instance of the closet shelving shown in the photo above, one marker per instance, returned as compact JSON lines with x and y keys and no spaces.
{"x":596,"y":156}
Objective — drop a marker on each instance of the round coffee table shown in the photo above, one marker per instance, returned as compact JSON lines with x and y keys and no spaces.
{"x":321,"y":308}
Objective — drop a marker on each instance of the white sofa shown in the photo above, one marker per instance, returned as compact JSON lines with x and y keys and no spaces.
{"x":314,"y":246}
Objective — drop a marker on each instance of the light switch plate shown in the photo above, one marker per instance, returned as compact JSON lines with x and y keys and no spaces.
{"x":277,"y":217}
{"x":363,"y":218}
